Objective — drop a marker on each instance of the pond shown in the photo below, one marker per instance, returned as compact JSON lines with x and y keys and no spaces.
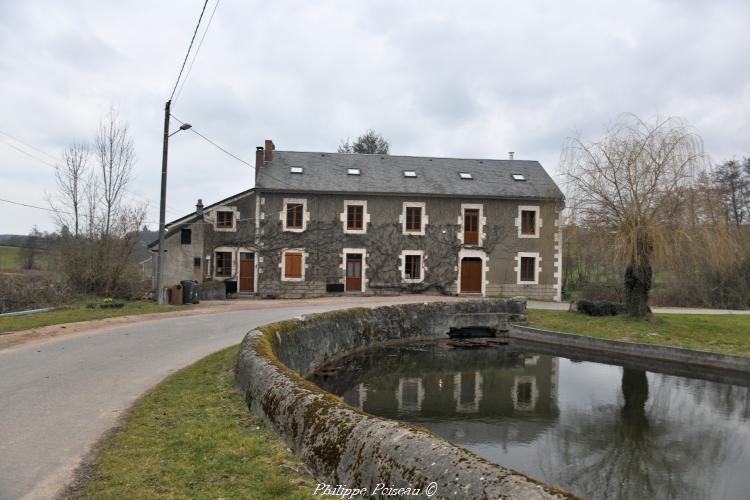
{"x":596,"y":427}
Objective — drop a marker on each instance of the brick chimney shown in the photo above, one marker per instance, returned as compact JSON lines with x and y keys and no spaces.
{"x":269,"y":149}
{"x":258,"y":160}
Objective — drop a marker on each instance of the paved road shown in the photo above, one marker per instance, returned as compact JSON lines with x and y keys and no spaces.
{"x":58,"y":397}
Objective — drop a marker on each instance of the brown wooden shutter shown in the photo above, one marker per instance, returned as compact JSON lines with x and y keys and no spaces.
{"x":292,"y":265}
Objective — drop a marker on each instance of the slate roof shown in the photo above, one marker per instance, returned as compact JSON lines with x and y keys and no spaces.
{"x":383,"y":174}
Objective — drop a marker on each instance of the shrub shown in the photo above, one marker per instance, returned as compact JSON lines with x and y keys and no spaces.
{"x":31,"y":291}
{"x":597,"y":307}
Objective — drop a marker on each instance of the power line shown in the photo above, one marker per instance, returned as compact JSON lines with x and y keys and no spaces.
{"x":188,"y":51}
{"x":52,"y":210}
{"x":33,"y":206}
{"x":29,"y":154}
{"x":28,"y":145}
{"x":195,"y":55}
{"x":192,"y":129}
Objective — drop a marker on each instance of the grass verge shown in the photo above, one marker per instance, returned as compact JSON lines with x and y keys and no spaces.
{"x":193,"y":437}
{"x":74,"y":313}
{"x":726,"y":334}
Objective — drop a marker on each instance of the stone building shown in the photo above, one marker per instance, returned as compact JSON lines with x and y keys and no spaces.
{"x":327,"y":223}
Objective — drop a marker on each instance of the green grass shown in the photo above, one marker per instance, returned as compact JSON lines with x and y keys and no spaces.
{"x":726,"y":334}
{"x":11,"y":258}
{"x":76,"y":312}
{"x":193,"y":437}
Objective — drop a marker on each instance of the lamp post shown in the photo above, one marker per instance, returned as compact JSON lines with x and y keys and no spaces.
{"x":163,"y":201}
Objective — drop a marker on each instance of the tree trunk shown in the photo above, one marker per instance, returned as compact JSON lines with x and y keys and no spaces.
{"x":637,"y":286}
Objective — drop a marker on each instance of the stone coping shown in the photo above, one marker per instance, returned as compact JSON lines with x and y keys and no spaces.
{"x":690,"y":357}
{"x":344,"y":445}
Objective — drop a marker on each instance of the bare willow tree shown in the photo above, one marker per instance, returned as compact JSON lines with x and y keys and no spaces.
{"x":370,"y":142}
{"x":632,"y":184}
{"x":72,"y":179}
{"x":115,"y":153}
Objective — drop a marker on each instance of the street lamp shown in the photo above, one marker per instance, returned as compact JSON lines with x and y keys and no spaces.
{"x":163,"y":202}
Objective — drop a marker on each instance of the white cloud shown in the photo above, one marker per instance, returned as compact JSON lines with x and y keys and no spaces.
{"x":452,"y":79}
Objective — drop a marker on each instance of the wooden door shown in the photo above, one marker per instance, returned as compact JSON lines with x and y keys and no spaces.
{"x":471,"y":275}
{"x":353,"y":272}
{"x":471,"y":226}
{"x":247,"y":272}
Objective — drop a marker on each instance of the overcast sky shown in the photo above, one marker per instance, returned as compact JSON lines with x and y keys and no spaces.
{"x":463,"y":79}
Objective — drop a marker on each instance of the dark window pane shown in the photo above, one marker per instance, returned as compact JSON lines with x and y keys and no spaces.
{"x":412,"y":266}
{"x":224,"y":219}
{"x":185,"y":236}
{"x":527,"y":268}
{"x":413,"y":218}
{"x":528,"y":222}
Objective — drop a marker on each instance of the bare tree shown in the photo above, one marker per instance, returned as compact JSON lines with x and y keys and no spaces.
{"x":115,"y":153}
{"x":71,"y":178}
{"x":99,"y":259}
{"x":631,"y":184}
{"x":370,"y":142}
{"x":31,"y":248}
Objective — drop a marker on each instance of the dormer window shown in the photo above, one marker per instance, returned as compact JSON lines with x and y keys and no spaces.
{"x":410,"y":173}
{"x":465,"y":175}
{"x":518,"y":177}
{"x":352,"y":171}
{"x":296,"y":170}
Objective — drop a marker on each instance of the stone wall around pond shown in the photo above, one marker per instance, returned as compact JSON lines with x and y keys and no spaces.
{"x":343,"y":445}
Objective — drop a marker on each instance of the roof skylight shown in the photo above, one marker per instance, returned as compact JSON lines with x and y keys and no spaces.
{"x":296,"y":170}
{"x":465,"y":175}
{"x":410,"y":173}
{"x":518,"y":177}
{"x":352,"y":171}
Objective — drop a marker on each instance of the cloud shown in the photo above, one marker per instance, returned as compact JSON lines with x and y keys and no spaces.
{"x":452,"y":78}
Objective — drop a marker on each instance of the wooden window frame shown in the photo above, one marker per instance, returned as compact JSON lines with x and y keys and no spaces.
{"x":297,"y":214}
{"x":408,"y":219}
{"x":186,"y":234}
{"x":404,"y":267}
{"x":224,"y":224}
{"x":217,"y":259}
{"x":355,"y":217}
{"x":413,"y":266}
{"x":537,"y":221}
{"x":537,"y":269}
{"x":224,"y":227}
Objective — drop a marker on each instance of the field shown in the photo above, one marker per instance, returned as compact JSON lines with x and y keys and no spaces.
{"x":11,"y":258}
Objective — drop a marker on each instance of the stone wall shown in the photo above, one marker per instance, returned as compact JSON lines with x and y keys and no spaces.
{"x":343,"y":445}
{"x":324,"y":239}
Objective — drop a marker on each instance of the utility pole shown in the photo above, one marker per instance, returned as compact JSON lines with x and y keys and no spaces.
{"x":163,"y":208}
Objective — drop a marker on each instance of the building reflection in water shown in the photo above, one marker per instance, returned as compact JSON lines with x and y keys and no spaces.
{"x":597,"y":430}
{"x":462,"y":402}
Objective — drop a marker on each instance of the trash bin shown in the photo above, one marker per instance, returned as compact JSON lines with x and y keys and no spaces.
{"x":189,"y":292}
{"x":175,"y":297}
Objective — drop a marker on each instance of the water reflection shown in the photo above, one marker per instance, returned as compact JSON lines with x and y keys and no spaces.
{"x":597,"y":430}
